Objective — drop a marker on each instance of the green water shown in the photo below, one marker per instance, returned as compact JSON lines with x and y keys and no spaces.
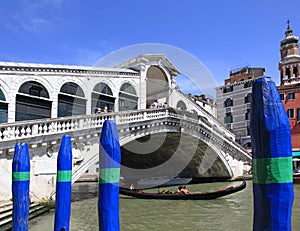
{"x":233,"y":212}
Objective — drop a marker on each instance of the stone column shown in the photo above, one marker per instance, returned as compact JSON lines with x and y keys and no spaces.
{"x":143,"y":86}
{"x":283,"y":73}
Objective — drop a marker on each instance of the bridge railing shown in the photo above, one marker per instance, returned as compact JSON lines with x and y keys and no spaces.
{"x":43,"y":127}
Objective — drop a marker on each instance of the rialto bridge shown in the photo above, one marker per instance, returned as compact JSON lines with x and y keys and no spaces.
{"x":39,"y":103}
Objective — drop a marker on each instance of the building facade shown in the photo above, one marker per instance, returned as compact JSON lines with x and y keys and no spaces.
{"x":233,"y":101}
{"x":289,"y":89}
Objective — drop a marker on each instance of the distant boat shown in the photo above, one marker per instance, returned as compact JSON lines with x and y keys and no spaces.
{"x":177,"y":196}
{"x":162,"y":181}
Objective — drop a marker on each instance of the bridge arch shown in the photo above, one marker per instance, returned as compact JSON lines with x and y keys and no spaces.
{"x":32,"y":102}
{"x":3,"y":108}
{"x":158,"y":85}
{"x":71,"y":100}
{"x":181,"y":105}
{"x":204,"y":161}
{"x":102,"y":98}
{"x":128,"y":99}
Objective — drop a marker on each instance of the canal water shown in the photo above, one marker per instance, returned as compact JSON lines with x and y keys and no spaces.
{"x":233,"y":213}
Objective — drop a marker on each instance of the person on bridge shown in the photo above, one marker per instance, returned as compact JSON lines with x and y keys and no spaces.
{"x":154,"y":104}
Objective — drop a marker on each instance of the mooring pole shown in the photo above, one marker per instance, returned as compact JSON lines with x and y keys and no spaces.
{"x":109,"y":178}
{"x":20,"y":187}
{"x":271,"y":159}
{"x":63,"y":185}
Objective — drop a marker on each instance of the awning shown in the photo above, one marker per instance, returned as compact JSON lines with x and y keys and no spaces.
{"x":296,"y":154}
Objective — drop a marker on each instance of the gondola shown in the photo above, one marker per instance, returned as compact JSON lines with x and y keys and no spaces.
{"x":177,"y":196}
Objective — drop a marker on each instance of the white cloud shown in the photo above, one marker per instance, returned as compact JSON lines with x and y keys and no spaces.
{"x":31,"y":16}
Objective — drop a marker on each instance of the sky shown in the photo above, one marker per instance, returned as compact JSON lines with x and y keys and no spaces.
{"x":221,"y":35}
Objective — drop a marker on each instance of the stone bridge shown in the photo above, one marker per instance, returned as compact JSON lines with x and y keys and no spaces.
{"x":154,"y":142}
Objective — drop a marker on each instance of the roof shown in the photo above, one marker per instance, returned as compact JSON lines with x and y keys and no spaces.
{"x":20,"y":65}
{"x":160,"y":59}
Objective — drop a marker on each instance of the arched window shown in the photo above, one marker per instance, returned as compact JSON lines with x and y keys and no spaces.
{"x":228,"y":102}
{"x":228,"y":118}
{"x":128,"y":99}
{"x":3,"y":108}
{"x":32,"y":102}
{"x":71,"y":100}
{"x":248,"y":98}
{"x":181,"y":105}
{"x":288,"y":73}
{"x":102,"y":99}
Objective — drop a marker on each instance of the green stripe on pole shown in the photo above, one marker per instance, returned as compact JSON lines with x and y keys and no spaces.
{"x":109,"y":175}
{"x":20,"y":176}
{"x":272,"y":170}
{"x":64,"y":176}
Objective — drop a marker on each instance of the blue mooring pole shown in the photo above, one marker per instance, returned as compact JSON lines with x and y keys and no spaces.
{"x":271,"y":159}
{"x":63,"y":185}
{"x":109,"y":178}
{"x":20,"y":187}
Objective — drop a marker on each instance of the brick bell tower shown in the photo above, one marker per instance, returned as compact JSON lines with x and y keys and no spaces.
{"x":289,"y":65}
{"x":289,"y":89}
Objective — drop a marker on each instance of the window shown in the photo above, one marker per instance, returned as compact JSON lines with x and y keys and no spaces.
{"x":290,"y":113}
{"x":291,"y":96}
{"x":227,"y":89}
{"x":247,"y":115}
{"x":298,"y":114}
{"x":128,"y":99}
{"x":228,"y":102}
{"x":288,"y":73}
{"x":248,"y":98}
{"x":228,"y":118}
{"x":295,"y":71}
{"x":282,"y":96}
{"x":248,"y":84}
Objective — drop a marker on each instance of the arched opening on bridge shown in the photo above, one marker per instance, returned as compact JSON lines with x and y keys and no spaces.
{"x":32,"y":102}
{"x":157,"y":86}
{"x":3,"y":108}
{"x":181,"y":105}
{"x":102,"y":98}
{"x":176,"y":154}
{"x":128,"y":99}
{"x":71,"y":100}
